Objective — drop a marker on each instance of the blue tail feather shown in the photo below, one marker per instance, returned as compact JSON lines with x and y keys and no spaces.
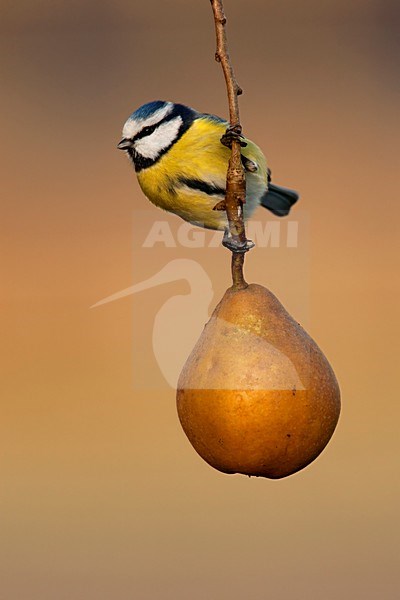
{"x":279,"y":200}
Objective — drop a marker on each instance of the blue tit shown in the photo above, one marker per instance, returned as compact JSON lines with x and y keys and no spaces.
{"x":181,"y":164}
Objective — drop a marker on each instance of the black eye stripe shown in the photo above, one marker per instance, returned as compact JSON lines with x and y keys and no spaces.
{"x":148,"y":130}
{"x":145,"y":131}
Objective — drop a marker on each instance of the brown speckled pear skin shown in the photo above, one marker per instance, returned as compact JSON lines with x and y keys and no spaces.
{"x":256,"y":395}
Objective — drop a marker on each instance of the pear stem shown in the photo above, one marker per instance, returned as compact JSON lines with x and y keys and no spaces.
{"x":235,"y":180}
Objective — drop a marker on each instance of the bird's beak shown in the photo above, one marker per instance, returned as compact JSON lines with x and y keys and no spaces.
{"x":124,"y":144}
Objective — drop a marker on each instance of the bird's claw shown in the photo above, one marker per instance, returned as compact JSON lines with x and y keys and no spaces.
{"x":249,"y":165}
{"x":235,"y":246}
{"x":221,"y":205}
{"x":230,"y":135}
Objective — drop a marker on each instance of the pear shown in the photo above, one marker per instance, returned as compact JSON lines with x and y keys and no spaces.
{"x":256,"y":395}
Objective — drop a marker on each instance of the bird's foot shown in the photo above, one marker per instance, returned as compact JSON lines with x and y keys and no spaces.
{"x":221,"y":205}
{"x":233,"y":134}
{"x":235,"y":246}
{"x":249,"y":165}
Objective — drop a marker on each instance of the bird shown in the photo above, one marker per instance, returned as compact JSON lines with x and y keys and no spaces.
{"x":181,"y":159}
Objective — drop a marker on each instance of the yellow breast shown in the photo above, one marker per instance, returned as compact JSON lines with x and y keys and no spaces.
{"x":199,"y":156}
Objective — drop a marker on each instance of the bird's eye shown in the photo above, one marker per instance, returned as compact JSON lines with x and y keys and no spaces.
{"x":147,"y":130}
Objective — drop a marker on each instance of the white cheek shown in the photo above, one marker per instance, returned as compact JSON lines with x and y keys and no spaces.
{"x":151,"y":145}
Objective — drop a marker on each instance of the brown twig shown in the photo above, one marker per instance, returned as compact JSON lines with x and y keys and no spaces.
{"x":235,"y":180}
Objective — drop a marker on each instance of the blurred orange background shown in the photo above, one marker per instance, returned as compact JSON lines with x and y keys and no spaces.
{"x":101,"y":494}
